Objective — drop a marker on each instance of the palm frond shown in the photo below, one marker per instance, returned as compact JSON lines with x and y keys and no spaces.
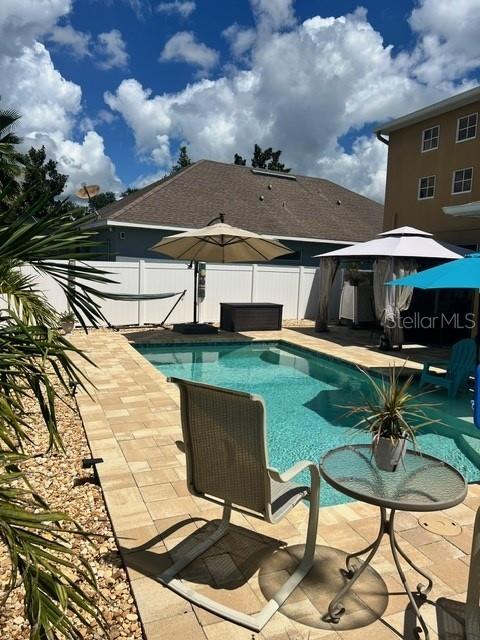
{"x":54,"y":244}
{"x":36,"y":363}
{"x":20,"y":292}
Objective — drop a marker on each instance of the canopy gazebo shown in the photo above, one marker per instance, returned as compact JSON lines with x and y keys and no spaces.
{"x":394,"y":255}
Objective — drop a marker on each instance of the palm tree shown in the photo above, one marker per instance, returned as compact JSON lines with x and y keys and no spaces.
{"x":10,"y":158}
{"x":34,"y":362}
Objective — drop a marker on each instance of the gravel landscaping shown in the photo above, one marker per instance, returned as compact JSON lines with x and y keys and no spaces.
{"x":60,"y":479}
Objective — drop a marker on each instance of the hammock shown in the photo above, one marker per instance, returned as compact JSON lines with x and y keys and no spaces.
{"x":133,"y":297}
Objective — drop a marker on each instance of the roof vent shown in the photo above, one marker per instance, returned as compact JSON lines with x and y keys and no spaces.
{"x":270,"y":187}
{"x":339,"y":202}
{"x":262,"y":198}
{"x":273,"y":174}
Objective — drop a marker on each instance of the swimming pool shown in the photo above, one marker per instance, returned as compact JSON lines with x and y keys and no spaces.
{"x":305,"y":395}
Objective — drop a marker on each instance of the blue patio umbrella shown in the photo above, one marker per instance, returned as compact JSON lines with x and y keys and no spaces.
{"x":463,"y":273}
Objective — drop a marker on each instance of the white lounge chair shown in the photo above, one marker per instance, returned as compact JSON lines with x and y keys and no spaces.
{"x":227,"y":463}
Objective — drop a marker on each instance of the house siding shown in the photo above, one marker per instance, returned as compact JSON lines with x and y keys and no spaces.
{"x":407,"y":164}
{"x":137,"y":242}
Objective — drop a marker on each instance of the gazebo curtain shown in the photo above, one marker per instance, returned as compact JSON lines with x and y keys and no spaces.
{"x":327,"y":272}
{"x":391,"y":301}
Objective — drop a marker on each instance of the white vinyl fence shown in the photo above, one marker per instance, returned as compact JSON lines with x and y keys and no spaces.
{"x":294,"y":287}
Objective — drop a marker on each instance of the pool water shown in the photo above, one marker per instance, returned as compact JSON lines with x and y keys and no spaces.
{"x":306,"y":397}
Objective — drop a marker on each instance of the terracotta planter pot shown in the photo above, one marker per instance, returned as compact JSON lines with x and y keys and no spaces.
{"x":388,"y":455}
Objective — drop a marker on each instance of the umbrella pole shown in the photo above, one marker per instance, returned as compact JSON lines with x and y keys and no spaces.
{"x":476,"y":308}
{"x":476,"y":382}
{"x":195,"y":292}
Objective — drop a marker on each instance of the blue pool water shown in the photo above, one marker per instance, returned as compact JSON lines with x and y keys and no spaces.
{"x":305,"y":395}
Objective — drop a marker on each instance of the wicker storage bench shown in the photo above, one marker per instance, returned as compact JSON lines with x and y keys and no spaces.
{"x":250,"y":316}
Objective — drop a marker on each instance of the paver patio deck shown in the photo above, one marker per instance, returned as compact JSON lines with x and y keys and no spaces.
{"x":132,"y":421}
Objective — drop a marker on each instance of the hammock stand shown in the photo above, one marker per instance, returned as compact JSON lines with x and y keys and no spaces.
{"x":139,"y":297}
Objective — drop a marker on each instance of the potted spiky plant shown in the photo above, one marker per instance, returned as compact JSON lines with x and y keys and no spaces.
{"x":353,"y":275}
{"x":392,"y":414}
{"x":67,"y":321}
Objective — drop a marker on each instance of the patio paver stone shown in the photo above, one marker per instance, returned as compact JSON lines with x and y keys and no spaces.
{"x":132,"y":421}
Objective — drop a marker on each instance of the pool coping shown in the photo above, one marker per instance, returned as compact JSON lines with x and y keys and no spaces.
{"x":279,"y":341}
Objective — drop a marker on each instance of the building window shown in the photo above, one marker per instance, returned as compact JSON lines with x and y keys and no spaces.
{"x":467,"y":127}
{"x":462,"y":180}
{"x":426,"y":188}
{"x":430,"y":138}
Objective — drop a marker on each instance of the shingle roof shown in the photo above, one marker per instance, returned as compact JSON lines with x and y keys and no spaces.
{"x":294,"y":206}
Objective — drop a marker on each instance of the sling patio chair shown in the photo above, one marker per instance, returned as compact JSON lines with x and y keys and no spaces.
{"x":227,"y":463}
{"x":458,"y":620}
{"x":458,"y":369}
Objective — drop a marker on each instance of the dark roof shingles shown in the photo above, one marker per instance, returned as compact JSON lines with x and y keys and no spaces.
{"x":306,"y":207}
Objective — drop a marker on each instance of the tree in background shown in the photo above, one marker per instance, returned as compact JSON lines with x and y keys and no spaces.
{"x":274,"y":163}
{"x":239,"y":160}
{"x":128,"y":191}
{"x":183,"y":161}
{"x":41,"y":181}
{"x":10,"y":157}
{"x":26,"y":179}
{"x":260,"y":157}
{"x":102,"y":199}
{"x":264,"y":159}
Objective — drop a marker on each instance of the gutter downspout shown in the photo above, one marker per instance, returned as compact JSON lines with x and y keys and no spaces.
{"x":381,"y":138}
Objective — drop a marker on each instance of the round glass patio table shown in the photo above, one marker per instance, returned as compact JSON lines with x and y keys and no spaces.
{"x":420,"y":483}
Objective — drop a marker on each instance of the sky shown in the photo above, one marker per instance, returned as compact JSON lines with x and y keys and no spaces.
{"x":113,"y":88}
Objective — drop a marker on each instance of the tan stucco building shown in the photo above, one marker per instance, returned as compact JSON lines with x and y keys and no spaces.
{"x":433,"y":175}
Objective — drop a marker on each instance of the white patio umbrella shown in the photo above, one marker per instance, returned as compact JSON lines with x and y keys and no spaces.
{"x":404,"y":242}
{"x":395,"y":253}
{"x":219,"y":242}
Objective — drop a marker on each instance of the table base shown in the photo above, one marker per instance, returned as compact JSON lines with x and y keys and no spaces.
{"x":353,"y":572}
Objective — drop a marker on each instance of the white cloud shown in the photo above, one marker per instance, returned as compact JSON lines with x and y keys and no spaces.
{"x":23,"y":21}
{"x":83,"y":161}
{"x":307,"y":87}
{"x":88,"y":123}
{"x":145,"y":180}
{"x":50,"y":105}
{"x":269,"y":15}
{"x":32,"y":85}
{"x":183,"y":47}
{"x":141,"y":114}
{"x":364,"y":170}
{"x":68,"y":37}
{"x":273,"y":15}
{"x":112,"y":50}
{"x":182,"y":7}
{"x":106,"y":116}
{"x":50,"y":109}
{"x":240,"y":39}
{"x":141,"y":8}
{"x":450,"y":43}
